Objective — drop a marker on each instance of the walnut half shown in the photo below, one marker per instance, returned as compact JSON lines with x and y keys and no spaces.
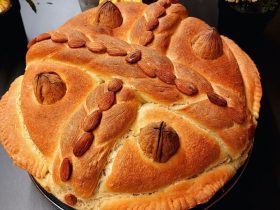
{"x":48,"y":88}
{"x":109,"y":15}
{"x":159,"y":141}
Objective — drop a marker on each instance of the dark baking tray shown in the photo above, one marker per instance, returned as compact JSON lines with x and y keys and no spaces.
{"x":216,"y":198}
{"x":50,"y":197}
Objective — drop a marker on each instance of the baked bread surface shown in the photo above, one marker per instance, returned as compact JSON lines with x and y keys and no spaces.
{"x":132,"y":106}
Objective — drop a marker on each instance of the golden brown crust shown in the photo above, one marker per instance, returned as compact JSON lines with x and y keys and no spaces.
{"x":14,"y":135}
{"x":250,"y":76}
{"x":197,"y":151}
{"x":45,"y":121}
{"x":149,"y":65}
{"x":222,"y":71}
{"x":114,"y":123}
{"x":182,"y":195}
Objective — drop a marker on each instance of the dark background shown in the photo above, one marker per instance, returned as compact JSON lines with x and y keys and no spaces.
{"x":259,"y":36}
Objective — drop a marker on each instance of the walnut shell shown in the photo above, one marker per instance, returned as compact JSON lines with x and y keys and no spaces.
{"x":159,"y":141}
{"x":49,"y":88}
{"x":208,"y":44}
{"x":109,"y":15}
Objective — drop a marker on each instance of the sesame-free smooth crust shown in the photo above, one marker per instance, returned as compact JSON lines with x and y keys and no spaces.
{"x":132,"y":106}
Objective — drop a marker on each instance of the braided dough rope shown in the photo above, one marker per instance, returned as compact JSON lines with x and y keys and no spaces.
{"x":132,"y":106}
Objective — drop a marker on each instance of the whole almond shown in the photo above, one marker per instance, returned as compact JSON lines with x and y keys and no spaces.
{"x":76,"y":42}
{"x":59,"y":37}
{"x":133,"y":57}
{"x":166,"y":76}
{"x":96,"y":47}
{"x":115,"y":85}
{"x":146,"y":38}
{"x":152,"y":24}
{"x":70,"y":199}
{"x":216,"y":99}
{"x":65,"y":170}
{"x":109,"y":15}
{"x":186,"y":87}
{"x":148,"y":68}
{"x":83,"y":144}
{"x":43,"y":36}
{"x":92,"y":121}
{"x":106,"y":100}
{"x":116,"y":51}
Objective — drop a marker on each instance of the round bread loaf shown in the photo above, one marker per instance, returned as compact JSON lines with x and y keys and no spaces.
{"x":132,"y":106}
